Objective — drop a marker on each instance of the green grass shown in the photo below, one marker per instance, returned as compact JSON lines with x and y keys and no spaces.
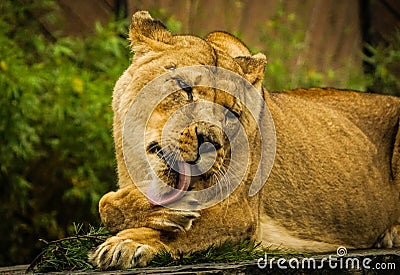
{"x":70,"y":254}
{"x":225,"y":252}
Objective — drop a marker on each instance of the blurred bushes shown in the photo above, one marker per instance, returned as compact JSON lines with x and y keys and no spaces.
{"x":284,"y":43}
{"x":56,"y":153}
{"x":284,"y":39}
{"x":384,"y":64}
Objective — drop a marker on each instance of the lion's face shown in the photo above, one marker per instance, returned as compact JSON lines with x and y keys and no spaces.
{"x":188,"y":134}
{"x":187,"y":137}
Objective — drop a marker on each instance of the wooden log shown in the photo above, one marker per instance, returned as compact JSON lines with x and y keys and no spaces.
{"x":371,"y":261}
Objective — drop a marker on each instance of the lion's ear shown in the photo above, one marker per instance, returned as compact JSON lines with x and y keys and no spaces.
{"x":228,"y":43}
{"x":253,"y":67}
{"x":147,"y":34}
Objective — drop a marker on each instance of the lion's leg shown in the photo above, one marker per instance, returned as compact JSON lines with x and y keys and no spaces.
{"x":139,"y":225}
{"x":390,"y":238}
{"x":129,"y":208}
{"x":129,"y":248}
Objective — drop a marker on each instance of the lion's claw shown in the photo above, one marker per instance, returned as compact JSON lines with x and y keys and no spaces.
{"x":120,"y":253}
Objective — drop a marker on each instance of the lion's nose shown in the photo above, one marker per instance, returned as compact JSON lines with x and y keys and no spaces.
{"x":206,"y":148}
{"x":194,"y":143}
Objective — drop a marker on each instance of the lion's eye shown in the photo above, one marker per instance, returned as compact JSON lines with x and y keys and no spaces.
{"x":186,"y":87}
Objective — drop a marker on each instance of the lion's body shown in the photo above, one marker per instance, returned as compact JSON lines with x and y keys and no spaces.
{"x":336,"y":170}
{"x":334,"y":180}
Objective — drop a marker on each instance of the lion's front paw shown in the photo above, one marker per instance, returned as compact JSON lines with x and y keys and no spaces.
{"x":120,"y":253}
{"x":390,"y":238}
{"x":173,"y":220}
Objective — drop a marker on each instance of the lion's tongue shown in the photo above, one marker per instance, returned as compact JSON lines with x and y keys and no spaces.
{"x":183,"y":185}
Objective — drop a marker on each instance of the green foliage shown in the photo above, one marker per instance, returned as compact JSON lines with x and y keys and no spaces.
{"x":282,"y":46}
{"x":225,"y":252}
{"x":385,"y":59}
{"x":285,"y":42}
{"x":70,"y":254}
{"x":56,"y":158}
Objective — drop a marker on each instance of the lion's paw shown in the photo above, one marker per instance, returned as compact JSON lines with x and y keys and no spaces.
{"x":174,"y":220}
{"x":390,"y":238}
{"x":120,"y":253}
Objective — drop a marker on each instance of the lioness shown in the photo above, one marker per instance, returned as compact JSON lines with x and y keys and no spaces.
{"x":334,"y":181}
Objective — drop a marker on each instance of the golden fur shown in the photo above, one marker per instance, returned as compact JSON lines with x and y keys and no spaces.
{"x":335,"y":179}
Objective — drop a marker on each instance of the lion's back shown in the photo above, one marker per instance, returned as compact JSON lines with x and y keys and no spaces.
{"x":337,"y":149}
{"x":375,"y":115}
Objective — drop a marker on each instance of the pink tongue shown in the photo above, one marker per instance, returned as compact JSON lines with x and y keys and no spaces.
{"x":183,"y":185}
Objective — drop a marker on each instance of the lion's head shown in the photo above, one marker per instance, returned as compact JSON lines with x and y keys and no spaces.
{"x":171,"y":112}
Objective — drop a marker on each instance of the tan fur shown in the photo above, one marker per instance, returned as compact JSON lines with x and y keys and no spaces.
{"x":334,"y":181}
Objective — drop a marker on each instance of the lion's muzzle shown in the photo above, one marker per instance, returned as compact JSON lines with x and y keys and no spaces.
{"x":198,"y":153}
